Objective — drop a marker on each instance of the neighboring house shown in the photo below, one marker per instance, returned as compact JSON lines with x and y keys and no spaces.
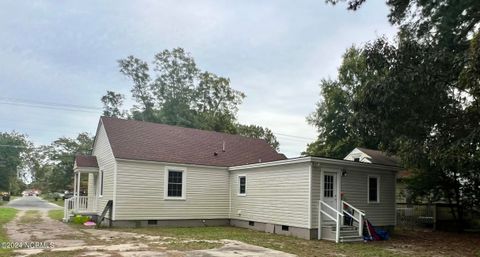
{"x":360,"y":154}
{"x":161,"y":175}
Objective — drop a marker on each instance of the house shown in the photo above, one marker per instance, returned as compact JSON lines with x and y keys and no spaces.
{"x":161,"y":175}
{"x":360,"y":154}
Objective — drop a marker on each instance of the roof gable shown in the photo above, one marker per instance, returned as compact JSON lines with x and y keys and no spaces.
{"x":372,"y":156}
{"x":137,"y":140}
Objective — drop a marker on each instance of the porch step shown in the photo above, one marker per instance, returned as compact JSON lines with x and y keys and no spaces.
{"x":348,"y":239}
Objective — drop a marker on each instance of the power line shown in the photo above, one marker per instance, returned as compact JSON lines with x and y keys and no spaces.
{"x":49,"y":105}
{"x":91,"y":109}
{"x":299,"y":137}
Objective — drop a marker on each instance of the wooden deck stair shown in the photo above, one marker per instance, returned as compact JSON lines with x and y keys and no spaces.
{"x":335,"y":220}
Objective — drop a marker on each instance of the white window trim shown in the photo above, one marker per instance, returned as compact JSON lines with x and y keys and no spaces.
{"x":101,"y":183}
{"x":378,"y":188}
{"x":184,"y":183}
{"x":246,"y":184}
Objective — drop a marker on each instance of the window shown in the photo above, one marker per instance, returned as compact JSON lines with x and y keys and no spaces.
{"x":175,"y":179}
{"x":242,"y":182}
{"x":285,"y":228}
{"x":328,"y":186}
{"x":251,"y":223}
{"x":373,"y":189}
{"x":101,"y":183}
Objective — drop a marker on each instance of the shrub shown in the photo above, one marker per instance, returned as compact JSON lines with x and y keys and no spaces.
{"x":79,"y":219}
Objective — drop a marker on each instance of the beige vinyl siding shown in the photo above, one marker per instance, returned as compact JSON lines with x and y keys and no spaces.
{"x":315,"y":198}
{"x":276,"y":195}
{"x":354,"y":187}
{"x":106,"y":163}
{"x":140,"y":192}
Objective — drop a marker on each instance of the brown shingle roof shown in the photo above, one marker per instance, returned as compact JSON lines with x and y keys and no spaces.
{"x":86,"y":161}
{"x":139,"y":140}
{"x":379,"y":157}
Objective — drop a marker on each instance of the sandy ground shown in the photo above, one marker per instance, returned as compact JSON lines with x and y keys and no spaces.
{"x":93,"y":242}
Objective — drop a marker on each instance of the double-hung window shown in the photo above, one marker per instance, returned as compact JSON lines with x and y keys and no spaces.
{"x":175,"y":183}
{"x":242,"y":185}
{"x":373,"y":189}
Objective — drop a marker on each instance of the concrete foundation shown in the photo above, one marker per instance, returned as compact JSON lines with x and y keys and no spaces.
{"x":171,"y":223}
{"x":303,"y":233}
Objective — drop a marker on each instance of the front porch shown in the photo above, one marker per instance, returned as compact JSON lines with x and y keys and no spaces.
{"x":83,"y":202}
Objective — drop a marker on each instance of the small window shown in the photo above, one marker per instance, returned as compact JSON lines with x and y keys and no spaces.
{"x":328,"y":186}
{"x":285,"y":228}
{"x":251,"y":223}
{"x":175,"y":180}
{"x":242,"y":182}
{"x":101,"y":183}
{"x":152,"y":222}
{"x":373,"y":189}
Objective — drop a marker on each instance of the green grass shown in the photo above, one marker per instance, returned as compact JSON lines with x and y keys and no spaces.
{"x":56,"y":214}
{"x":288,"y":244}
{"x":59,"y":202}
{"x":32,"y":216}
{"x":6,"y":215}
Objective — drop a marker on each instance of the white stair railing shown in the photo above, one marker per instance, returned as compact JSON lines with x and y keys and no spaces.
{"x":68,"y":208}
{"x":359,"y":219}
{"x":337,"y":219}
{"x":79,"y":204}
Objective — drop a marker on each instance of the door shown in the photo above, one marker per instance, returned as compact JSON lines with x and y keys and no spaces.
{"x":330,"y":189}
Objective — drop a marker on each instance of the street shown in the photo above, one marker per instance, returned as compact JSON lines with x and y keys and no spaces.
{"x":31,"y":203}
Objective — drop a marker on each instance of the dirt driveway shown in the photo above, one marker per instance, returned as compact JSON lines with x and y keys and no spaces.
{"x":65,"y":240}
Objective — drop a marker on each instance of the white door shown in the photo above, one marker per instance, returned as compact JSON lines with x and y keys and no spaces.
{"x":330,"y":189}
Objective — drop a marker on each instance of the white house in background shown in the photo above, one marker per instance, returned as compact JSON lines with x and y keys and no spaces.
{"x":161,"y":175}
{"x":360,"y":154}
{"x":366,"y":155}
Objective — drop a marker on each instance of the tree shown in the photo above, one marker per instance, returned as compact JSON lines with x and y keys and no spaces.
{"x":13,"y":148}
{"x":58,"y":171}
{"x":258,"y":132}
{"x":334,"y":117}
{"x":422,"y":102}
{"x":112,"y":102}
{"x":179,"y":93}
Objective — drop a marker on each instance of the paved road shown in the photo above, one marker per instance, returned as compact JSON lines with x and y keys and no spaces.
{"x":31,"y":203}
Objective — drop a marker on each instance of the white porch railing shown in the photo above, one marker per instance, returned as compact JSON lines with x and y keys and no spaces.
{"x":337,"y":219}
{"x":79,"y":204}
{"x":357,"y":216}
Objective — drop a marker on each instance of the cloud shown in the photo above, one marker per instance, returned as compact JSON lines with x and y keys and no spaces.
{"x":275,"y":51}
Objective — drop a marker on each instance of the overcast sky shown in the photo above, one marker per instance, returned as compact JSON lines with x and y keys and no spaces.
{"x":65,"y":53}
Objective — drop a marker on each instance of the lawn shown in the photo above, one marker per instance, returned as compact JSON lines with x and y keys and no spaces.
{"x":403,"y":243}
{"x":6,"y":215}
{"x":56,"y":215}
{"x":59,"y":201}
{"x":282,"y":243}
{"x":31,"y":216}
